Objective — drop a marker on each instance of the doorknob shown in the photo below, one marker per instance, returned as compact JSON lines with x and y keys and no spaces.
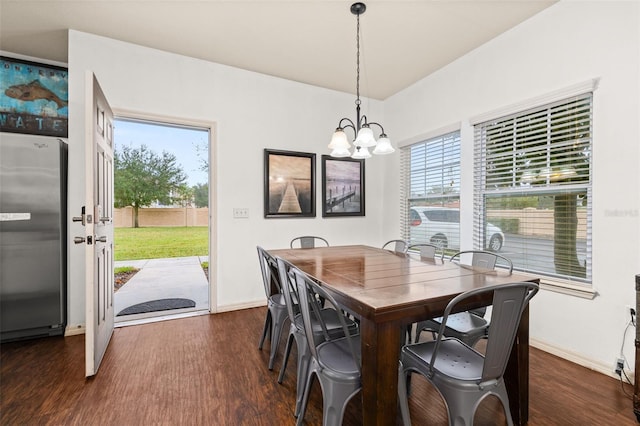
{"x":102,"y":239}
{"x":105,"y":219}
{"x":79,"y":240}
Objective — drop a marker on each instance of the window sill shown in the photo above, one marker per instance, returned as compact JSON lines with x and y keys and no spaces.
{"x":564,"y":287}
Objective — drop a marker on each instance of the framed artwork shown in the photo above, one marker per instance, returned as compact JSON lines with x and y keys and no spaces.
{"x":289,"y":184}
{"x":33,"y":98}
{"x":342,"y":187}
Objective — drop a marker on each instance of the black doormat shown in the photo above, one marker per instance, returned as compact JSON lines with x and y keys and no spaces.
{"x":157,"y":305}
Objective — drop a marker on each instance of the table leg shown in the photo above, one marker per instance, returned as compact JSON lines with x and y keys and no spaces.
{"x":380,"y":354}
{"x":516,"y":375}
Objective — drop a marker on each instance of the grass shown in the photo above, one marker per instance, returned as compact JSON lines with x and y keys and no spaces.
{"x":123,"y":269}
{"x":161,"y":242}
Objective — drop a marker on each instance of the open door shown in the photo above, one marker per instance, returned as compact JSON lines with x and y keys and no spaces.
{"x":98,"y":217}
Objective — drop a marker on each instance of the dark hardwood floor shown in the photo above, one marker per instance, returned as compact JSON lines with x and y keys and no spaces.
{"x":207,"y":370}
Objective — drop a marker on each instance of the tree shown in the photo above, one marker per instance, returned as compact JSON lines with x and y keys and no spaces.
{"x":201,"y":195}
{"x":142,"y":177}
{"x":202,"y":152}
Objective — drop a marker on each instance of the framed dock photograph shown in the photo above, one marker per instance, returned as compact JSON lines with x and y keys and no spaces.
{"x":289,"y":184}
{"x":342,"y":187}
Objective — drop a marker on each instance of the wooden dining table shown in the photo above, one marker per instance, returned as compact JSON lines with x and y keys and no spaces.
{"x":388,"y":291}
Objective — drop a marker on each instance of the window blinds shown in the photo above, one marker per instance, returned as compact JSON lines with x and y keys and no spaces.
{"x":430,"y":173}
{"x":532,"y":178}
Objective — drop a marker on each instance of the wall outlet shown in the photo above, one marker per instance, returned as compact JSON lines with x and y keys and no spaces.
{"x":619,"y":366}
{"x":240,"y":213}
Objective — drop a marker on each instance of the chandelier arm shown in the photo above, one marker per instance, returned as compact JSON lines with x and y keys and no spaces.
{"x":355,"y":132}
{"x":341,"y":126}
{"x":379,"y":125}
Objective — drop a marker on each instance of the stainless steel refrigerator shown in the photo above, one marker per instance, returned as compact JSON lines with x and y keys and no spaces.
{"x":33,"y":236}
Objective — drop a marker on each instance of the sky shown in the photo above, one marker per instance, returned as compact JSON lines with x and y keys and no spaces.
{"x":179,"y":141}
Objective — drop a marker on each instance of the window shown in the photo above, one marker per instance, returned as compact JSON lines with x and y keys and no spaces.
{"x":533,"y":180}
{"x":431,"y":191}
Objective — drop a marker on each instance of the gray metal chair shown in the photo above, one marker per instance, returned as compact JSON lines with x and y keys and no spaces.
{"x":276,"y":304}
{"x":462,"y":375}
{"x":469,"y":326}
{"x":399,"y":246}
{"x":426,"y":251}
{"x":330,"y":318}
{"x":307,"y":241}
{"x":335,"y":362}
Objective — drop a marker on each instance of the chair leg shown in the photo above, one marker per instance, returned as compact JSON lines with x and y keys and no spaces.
{"x":460,"y":408}
{"x":335,"y":396}
{"x":266,"y":329}
{"x":305,"y":397}
{"x":403,"y":399}
{"x":501,"y":393}
{"x":409,"y":332}
{"x":285,"y":360}
{"x":276,"y":331}
{"x":304,"y":359}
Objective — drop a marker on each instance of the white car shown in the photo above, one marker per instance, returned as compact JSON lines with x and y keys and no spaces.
{"x":441,"y":226}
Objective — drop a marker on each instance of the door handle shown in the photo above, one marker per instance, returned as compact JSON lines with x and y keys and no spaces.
{"x":79,"y":240}
{"x":105,"y":219}
{"x":81,"y":218}
{"x":102,"y":239}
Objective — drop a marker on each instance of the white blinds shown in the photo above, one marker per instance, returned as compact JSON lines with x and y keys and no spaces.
{"x":532,"y":178}
{"x":430,"y":175}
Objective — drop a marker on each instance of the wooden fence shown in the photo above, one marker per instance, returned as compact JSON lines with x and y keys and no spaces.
{"x":172,"y":216}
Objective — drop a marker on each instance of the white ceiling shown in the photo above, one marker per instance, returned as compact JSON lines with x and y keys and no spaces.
{"x":311,"y":41}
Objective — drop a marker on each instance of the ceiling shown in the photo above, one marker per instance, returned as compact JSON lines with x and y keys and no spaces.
{"x":310,"y":41}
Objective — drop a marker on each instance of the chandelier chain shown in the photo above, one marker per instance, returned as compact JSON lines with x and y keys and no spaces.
{"x":358,"y":59}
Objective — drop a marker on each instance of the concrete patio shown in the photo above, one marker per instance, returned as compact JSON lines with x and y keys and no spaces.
{"x":180,"y":277}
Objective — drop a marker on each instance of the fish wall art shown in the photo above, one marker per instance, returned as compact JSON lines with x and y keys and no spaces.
{"x":33,"y":97}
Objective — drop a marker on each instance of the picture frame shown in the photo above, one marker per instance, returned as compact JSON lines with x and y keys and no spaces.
{"x":289,"y":184}
{"x":33,"y":98}
{"x":343,"y":191}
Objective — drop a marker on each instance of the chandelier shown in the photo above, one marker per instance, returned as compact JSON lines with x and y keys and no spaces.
{"x":364,"y":138}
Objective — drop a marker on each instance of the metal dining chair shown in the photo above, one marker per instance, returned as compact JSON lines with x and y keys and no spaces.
{"x":329,"y":316}
{"x":276,"y":305}
{"x":307,"y":241}
{"x":399,"y":246}
{"x":426,"y":251}
{"x":335,"y":361}
{"x":462,"y":375}
{"x":468,"y":326}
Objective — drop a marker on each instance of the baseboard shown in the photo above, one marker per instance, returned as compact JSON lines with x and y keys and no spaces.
{"x":240,"y":306}
{"x":600,"y":367}
{"x":74,"y":330}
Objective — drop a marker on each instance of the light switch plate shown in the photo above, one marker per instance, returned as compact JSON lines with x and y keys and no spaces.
{"x":240,"y":213}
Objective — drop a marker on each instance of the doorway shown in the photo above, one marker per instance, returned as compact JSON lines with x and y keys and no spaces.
{"x":162,"y":220}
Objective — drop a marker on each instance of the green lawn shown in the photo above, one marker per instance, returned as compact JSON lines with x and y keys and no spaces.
{"x":161,"y":242}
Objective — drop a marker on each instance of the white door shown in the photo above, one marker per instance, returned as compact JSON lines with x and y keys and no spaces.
{"x":99,"y":224}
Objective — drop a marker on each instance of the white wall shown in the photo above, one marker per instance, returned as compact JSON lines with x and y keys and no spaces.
{"x":251,"y":112}
{"x":566,"y":44}
{"x":569,"y":43}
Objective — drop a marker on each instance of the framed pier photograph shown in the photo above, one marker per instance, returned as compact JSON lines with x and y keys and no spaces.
{"x":342,"y":187}
{"x":289,"y":184}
